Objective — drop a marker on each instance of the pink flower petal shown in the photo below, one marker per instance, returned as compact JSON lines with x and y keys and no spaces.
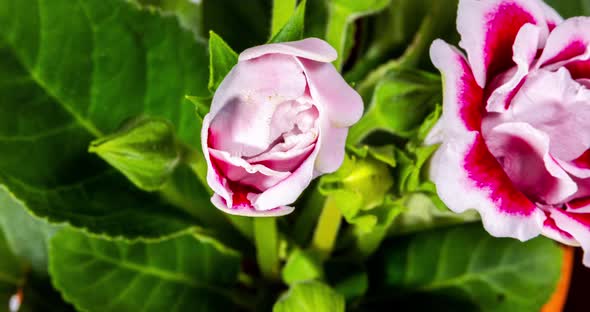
{"x":562,"y":110}
{"x":311,"y":48}
{"x":580,"y":70}
{"x":239,"y":170}
{"x":467,"y":176}
{"x":331,"y":153}
{"x":249,"y":211}
{"x":578,"y":226}
{"x":463,"y":97}
{"x":567,"y":42}
{"x":286,"y":192}
{"x":488,"y":30}
{"x":523,"y":152}
{"x":334,"y":97}
{"x":524,"y":51}
{"x":551,"y":230}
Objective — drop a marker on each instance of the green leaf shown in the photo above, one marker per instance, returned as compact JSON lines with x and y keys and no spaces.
{"x":570,"y":8}
{"x":241,"y":26}
{"x":310,"y":296}
{"x":421,"y":212}
{"x":348,"y":276}
{"x":187,"y":272}
{"x":302,"y":265}
{"x":399,"y":105}
{"x":465,"y":264}
{"x":293,"y":30}
{"x":26,"y":236}
{"x":189,"y":13}
{"x":102,"y":62}
{"x":221,"y":60}
{"x":12,"y":273}
{"x":145,"y":150}
{"x":281,"y":13}
{"x":341,"y":16}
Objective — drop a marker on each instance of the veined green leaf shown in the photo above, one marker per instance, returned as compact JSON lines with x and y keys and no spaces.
{"x":183,"y":273}
{"x":466,"y":265}
{"x":72,"y":71}
{"x":310,"y":296}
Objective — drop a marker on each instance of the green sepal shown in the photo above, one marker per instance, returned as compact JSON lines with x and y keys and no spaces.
{"x":293,"y":29}
{"x":145,"y":150}
{"x":222,"y":58}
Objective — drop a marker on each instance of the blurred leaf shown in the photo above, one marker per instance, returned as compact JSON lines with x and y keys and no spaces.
{"x":188,"y":12}
{"x":183,"y":273}
{"x":293,"y":30}
{"x":145,"y":150}
{"x":102,"y":62}
{"x":399,"y":105}
{"x":466,"y":264}
{"x":359,"y":188}
{"x":302,"y":265}
{"x":12,"y":273}
{"x":570,"y":8}
{"x":241,"y":24}
{"x":221,"y":60}
{"x":310,"y":296}
{"x":26,"y":236}
{"x":438,"y":21}
{"x":341,"y":15}
{"x":420,"y":212}
{"x":349,"y":278}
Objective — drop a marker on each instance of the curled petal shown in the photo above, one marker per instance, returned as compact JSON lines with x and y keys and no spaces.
{"x":467,"y":176}
{"x":578,"y":226}
{"x":249,"y":211}
{"x":463,"y":97}
{"x":551,"y":230}
{"x":561,"y":109}
{"x":488,"y":30}
{"x":524,"y":152}
{"x":288,"y":190}
{"x":333,"y":96}
{"x":311,"y":48}
{"x":524,"y":52}
{"x":568,"y":42}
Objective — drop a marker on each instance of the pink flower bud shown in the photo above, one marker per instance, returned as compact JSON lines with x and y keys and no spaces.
{"x":278,"y":120}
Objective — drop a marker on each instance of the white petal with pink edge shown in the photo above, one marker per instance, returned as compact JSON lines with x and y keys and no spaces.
{"x":568,"y":42}
{"x":489,"y":28}
{"x":524,"y":51}
{"x":467,"y":177}
{"x":578,"y":226}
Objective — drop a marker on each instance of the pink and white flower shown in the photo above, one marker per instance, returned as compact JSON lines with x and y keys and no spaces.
{"x":278,"y":120}
{"x":515,"y":129}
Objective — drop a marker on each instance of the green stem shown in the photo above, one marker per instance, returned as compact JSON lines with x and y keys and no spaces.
{"x":267,"y":246}
{"x":281,"y":13}
{"x":326,"y":231}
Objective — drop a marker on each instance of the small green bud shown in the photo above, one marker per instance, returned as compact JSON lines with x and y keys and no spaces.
{"x":145,"y":150}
